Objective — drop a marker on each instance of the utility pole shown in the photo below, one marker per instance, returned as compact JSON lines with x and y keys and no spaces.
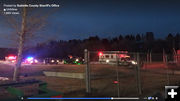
{"x":21,"y":45}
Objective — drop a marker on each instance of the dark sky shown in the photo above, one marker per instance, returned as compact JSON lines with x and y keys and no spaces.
{"x":78,"y":19}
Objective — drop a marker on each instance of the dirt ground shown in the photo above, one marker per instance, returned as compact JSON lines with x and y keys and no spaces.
{"x":103,"y":79}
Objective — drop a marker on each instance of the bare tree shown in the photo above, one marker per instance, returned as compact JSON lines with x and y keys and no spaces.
{"x":21,"y":45}
{"x":25,"y":30}
{"x":29,"y":25}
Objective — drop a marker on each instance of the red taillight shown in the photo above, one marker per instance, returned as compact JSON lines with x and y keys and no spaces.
{"x":100,"y":53}
{"x":115,"y":82}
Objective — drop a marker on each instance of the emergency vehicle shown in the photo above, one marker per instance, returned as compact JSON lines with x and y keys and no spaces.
{"x":11,"y":58}
{"x":120,"y":57}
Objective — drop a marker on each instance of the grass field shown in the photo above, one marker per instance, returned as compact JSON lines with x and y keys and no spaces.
{"x":102,"y":79}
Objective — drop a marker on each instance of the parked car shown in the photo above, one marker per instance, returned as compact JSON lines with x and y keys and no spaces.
{"x":76,"y":60}
{"x":51,"y":61}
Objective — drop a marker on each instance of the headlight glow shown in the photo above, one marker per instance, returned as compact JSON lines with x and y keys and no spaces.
{"x":107,"y":61}
{"x":77,"y":60}
{"x":36,"y":61}
{"x":134,"y":62}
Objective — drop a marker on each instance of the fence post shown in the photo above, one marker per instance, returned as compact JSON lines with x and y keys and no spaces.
{"x":147,"y":57}
{"x":167,"y":70}
{"x":117,"y":73}
{"x":150,"y":57}
{"x":164,"y":57}
{"x":87,"y":72}
{"x":138,"y":76}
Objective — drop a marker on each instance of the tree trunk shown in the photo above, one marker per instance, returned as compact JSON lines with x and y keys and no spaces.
{"x":20,"y":48}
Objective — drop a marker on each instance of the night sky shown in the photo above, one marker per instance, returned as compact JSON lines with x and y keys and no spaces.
{"x":79,"y":19}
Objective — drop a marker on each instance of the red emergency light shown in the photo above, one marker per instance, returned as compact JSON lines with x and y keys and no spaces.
{"x":122,"y":55}
{"x":12,"y":57}
{"x":100,"y":53}
{"x":115,"y":82}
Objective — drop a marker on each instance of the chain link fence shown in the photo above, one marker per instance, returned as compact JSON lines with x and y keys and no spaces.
{"x":124,"y":74}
